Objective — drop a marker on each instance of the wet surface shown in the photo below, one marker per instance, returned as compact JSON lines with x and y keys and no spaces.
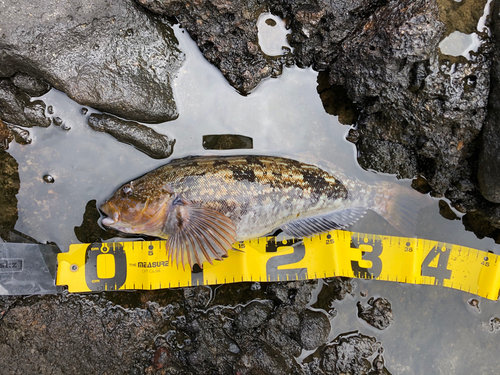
{"x":65,"y":174}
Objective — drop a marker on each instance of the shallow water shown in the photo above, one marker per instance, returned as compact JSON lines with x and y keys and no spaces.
{"x":435,"y":330}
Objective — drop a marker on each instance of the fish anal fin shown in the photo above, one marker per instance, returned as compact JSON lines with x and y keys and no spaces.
{"x":197,"y":234}
{"x":323,"y":223}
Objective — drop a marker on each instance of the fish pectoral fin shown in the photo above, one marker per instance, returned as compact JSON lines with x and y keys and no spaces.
{"x":323,"y":223}
{"x":197,"y":234}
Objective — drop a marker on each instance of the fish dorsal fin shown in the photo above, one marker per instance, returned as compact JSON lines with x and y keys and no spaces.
{"x":197,"y":234}
{"x":317,"y":224}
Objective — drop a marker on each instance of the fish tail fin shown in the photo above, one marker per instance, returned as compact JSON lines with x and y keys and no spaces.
{"x":400,"y":206}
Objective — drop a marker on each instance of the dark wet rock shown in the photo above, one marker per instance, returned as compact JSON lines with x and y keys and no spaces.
{"x":17,"y":108}
{"x":197,"y":297}
{"x":378,"y":313}
{"x":9,"y":187}
{"x":348,"y":354}
{"x":112,"y":56}
{"x":30,"y":85}
{"x":481,"y":224}
{"x":314,"y":329}
{"x":226,"y":33}
{"x":143,"y":138}
{"x":61,"y":334}
{"x":334,"y":289}
{"x":396,"y":158}
{"x":294,"y":292}
{"x":260,"y":358}
{"x":5,"y":136}
{"x":489,"y":159}
{"x":252,"y":316}
{"x":394,"y":72}
{"x":226,"y":142}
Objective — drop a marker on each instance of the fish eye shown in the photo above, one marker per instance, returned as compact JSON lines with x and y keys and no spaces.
{"x":127,"y":190}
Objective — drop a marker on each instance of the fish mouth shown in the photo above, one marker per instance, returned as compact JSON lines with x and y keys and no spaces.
{"x":112,"y":215}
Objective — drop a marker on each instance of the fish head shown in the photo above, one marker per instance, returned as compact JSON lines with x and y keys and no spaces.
{"x":138,"y":208}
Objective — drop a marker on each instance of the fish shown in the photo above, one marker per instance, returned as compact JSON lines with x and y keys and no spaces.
{"x":202,"y":205}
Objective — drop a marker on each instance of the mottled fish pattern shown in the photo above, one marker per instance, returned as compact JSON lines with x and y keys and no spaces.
{"x":204,"y":204}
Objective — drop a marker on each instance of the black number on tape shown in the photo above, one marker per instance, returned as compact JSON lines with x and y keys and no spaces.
{"x":299,"y":252}
{"x":92,"y":254}
{"x":440,"y":273}
{"x":373,"y":256}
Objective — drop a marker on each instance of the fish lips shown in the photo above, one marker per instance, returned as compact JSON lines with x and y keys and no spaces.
{"x":112,"y":214}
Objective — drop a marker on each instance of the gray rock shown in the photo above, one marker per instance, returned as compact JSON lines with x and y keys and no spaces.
{"x":17,"y":108}
{"x":314,"y":329}
{"x":30,"y":85}
{"x":348,"y":354}
{"x":252,"y":316}
{"x":143,"y":138}
{"x":51,"y":330}
{"x":378,"y":313}
{"x":113,"y":56}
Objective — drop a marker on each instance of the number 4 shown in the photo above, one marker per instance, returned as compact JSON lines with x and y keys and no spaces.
{"x":439,"y":272}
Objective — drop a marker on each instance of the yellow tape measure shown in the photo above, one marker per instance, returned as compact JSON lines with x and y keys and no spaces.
{"x":145,"y":265}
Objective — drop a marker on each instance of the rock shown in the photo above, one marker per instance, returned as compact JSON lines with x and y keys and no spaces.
{"x":56,"y":331}
{"x":378,"y":313}
{"x":9,"y":187}
{"x":411,"y":97}
{"x":145,"y":139}
{"x":5,"y":136}
{"x":489,"y":159}
{"x":348,"y":354}
{"x":112,"y":56}
{"x":396,"y":158}
{"x":226,"y":33}
{"x":314,"y":329}
{"x":30,"y":85}
{"x":17,"y":108}
{"x":252,"y":316}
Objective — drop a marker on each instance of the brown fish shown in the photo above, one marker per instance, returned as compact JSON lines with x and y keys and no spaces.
{"x":202,"y":205}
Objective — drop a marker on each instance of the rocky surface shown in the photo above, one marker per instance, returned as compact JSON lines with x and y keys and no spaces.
{"x":112,"y":56}
{"x":143,"y":138}
{"x":489,"y":158}
{"x":242,"y":329}
{"x":377,"y":312}
{"x":226,"y":32}
{"x":9,"y":187}
{"x":17,"y":108}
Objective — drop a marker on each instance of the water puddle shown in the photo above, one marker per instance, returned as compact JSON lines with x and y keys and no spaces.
{"x":460,"y":44}
{"x":272,"y":35}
